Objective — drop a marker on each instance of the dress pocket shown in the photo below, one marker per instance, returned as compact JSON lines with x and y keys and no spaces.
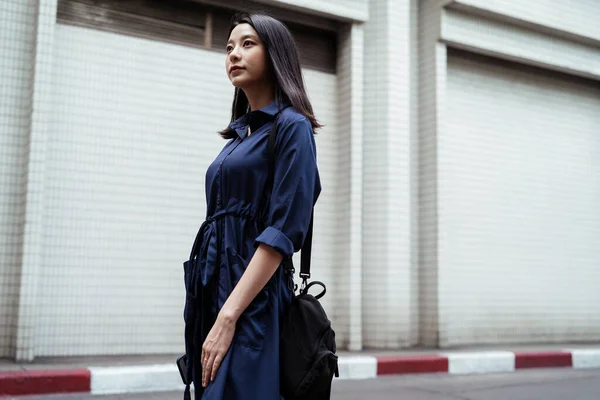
{"x":252,"y":324}
{"x":189,"y":279}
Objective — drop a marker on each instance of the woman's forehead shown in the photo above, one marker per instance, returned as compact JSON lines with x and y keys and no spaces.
{"x":242,"y":31}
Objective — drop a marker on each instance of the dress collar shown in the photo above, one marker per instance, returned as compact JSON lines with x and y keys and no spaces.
{"x":241,"y":124}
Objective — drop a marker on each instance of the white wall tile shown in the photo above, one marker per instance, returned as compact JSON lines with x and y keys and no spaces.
{"x":17,"y":26}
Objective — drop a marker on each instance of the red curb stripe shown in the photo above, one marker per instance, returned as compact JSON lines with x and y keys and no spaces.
{"x":543,"y":360}
{"x":411,"y":365}
{"x":44,"y":382}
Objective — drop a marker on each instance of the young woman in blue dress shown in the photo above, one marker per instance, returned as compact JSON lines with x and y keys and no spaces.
{"x":258,"y":214}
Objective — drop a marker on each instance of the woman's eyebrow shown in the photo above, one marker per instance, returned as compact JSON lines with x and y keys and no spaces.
{"x":248,"y":36}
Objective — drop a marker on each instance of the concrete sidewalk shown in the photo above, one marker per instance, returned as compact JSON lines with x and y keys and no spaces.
{"x":131,"y":374}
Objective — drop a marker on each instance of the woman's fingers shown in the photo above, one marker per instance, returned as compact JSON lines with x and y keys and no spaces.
{"x":205,"y":371}
{"x":215,"y":366}
{"x":205,"y":364}
{"x":210,"y":365}
{"x":208,"y":371}
{"x":216,"y":345}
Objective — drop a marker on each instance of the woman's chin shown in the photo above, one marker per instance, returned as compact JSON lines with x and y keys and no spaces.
{"x":238,"y":83}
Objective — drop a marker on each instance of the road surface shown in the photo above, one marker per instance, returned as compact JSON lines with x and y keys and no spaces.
{"x":546,"y":384}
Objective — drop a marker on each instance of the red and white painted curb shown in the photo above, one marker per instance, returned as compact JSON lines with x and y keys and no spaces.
{"x":165,"y":377}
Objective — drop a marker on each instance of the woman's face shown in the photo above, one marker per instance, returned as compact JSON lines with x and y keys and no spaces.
{"x":246,"y":61}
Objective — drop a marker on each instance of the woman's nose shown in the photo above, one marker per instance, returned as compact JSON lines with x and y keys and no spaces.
{"x":234,"y":55}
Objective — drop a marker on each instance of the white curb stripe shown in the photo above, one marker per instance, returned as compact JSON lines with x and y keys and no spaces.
{"x":165,"y":377}
{"x":357,"y":367}
{"x":588,"y":358}
{"x":479,"y":363}
{"x":135,"y":379}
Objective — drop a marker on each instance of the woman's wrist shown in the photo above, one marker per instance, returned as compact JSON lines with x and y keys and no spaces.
{"x":227,"y":316}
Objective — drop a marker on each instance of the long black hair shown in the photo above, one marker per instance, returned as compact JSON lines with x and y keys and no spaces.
{"x":283,"y":66}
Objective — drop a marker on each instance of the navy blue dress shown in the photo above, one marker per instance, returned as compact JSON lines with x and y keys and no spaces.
{"x":241,"y":214}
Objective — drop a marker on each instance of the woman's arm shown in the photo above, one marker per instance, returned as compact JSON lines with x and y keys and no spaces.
{"x":261,"y":268}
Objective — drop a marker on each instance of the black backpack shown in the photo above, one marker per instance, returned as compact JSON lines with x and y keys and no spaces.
{"x":307,"y":349}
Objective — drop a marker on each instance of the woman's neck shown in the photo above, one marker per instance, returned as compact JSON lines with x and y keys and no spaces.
{"x":260,"y":96}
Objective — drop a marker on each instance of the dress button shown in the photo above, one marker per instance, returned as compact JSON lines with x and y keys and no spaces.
{"x":218,"y":202}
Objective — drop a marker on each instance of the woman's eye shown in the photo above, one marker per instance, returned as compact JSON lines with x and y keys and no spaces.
{"x":229,"y":48}
{"x":247,"y":43}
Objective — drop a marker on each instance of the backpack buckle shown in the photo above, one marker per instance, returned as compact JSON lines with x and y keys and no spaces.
{"x":305,"y":278}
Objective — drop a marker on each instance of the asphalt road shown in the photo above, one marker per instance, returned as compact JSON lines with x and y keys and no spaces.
{"x":539,"y":384}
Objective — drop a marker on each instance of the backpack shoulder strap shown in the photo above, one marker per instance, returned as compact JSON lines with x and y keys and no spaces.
{"x":306,"y":251}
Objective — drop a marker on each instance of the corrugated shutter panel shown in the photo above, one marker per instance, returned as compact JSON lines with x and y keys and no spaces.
{"x":178,"y":22}
{"x":318,"y":48}
{"x":519,"y":222}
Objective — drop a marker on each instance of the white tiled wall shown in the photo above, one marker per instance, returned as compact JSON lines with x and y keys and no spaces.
{"x":17,"y":23}
{"x":519,"y":223}
{"x":375,"y":190}
{"x":134,"y":130}
{"x":432,"y":76}
{"x":491,"y":239}
{"x":389,"y":290}
{"x":399,"y":280}
{"x":34,"y":188}
{"x":349,"y":264}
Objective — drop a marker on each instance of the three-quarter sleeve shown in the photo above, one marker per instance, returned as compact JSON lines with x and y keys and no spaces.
{"x":296,"y":187}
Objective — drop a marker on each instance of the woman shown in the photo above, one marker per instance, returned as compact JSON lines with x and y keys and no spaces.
{"x":257,"y":216}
